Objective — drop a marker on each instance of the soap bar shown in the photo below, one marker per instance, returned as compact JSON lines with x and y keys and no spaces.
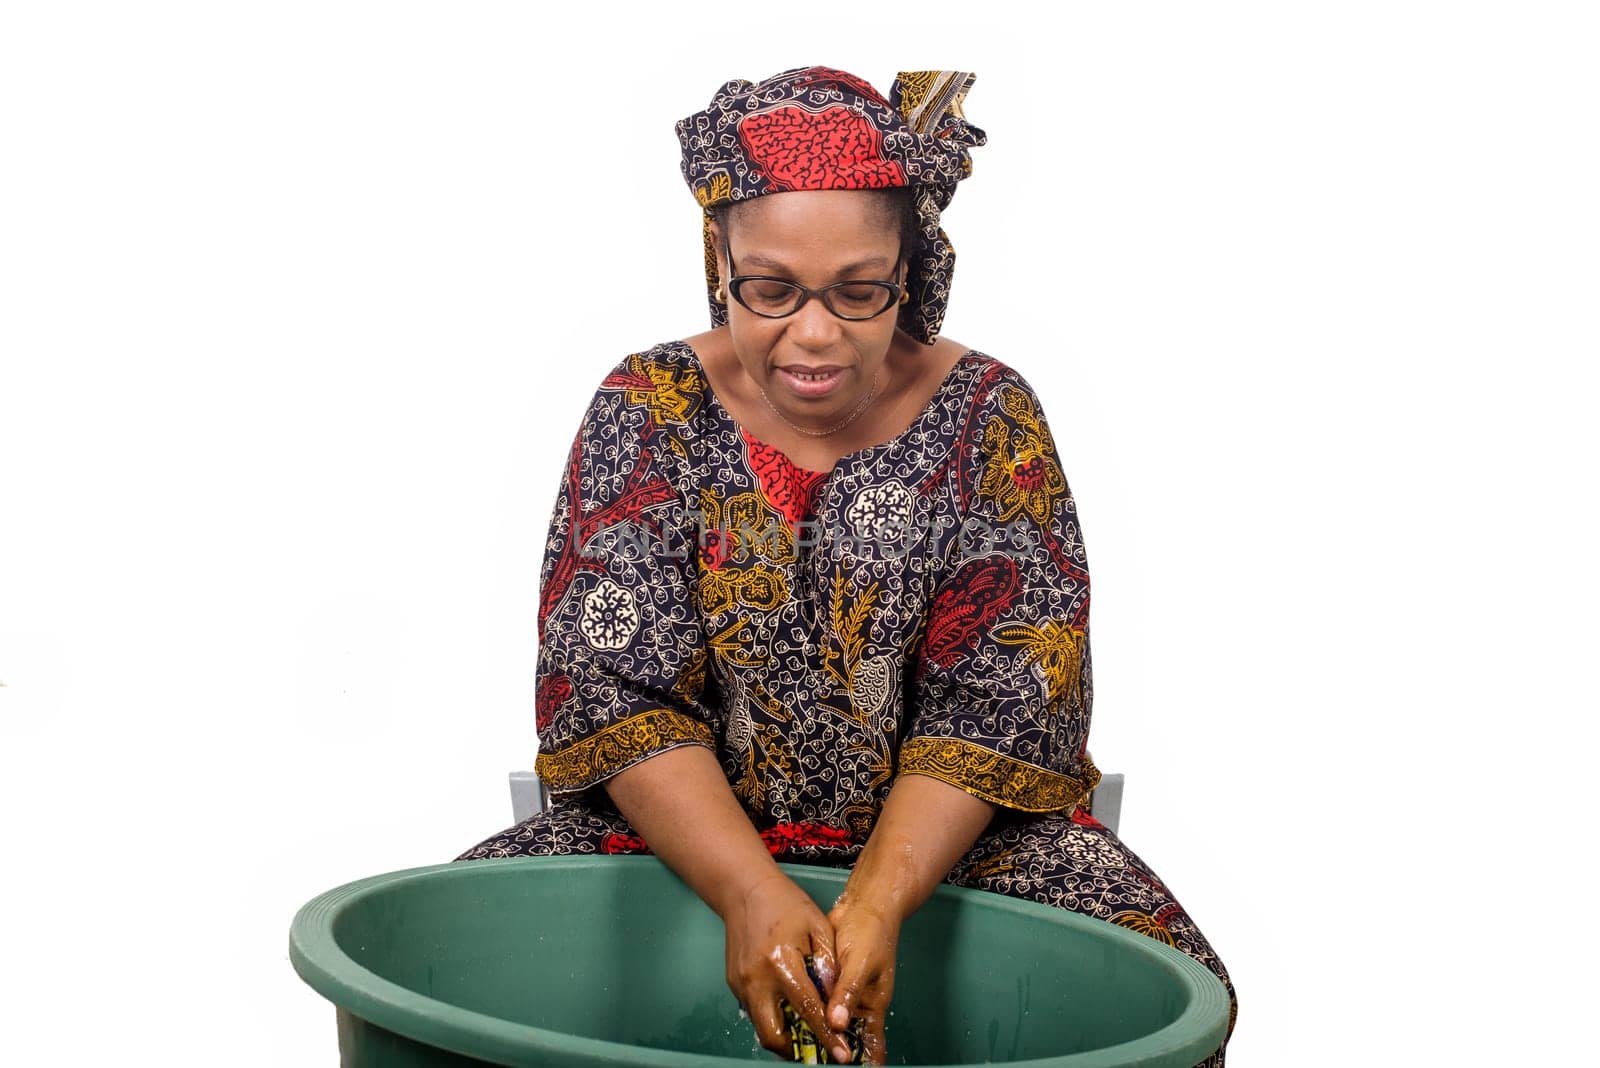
{"x":803,"y":1041}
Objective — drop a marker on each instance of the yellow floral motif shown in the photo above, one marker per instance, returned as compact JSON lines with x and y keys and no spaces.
{"x":1091,"y":779}
{"x":619,"y":745}
{"x":998,"y":864}
{"x":759,"y":530}
{"x":771,"y":705}
{"x":763,"y":588}
{"x":733,"y":643}
{"x":1057,"y":647}
{"x":914,"y":88}
{"x":760,"y":586}
{"x":769,"y":754}
{"x":717,"y":190}
{"x":927,"y":96}
{"x":995,"y":777}
{"x":710,"y":508}
{"x":860,"y":816}
{"x":774,"y":758}
{"x":708,"y":248}
{"x":848,"y":626}
{"x":675,"y":394}
{"x":691,"y":681}
{"x":1145,"y":924}
{"x":1021,"y":473}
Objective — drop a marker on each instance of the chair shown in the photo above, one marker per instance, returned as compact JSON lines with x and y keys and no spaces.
{"x":528,"y":796}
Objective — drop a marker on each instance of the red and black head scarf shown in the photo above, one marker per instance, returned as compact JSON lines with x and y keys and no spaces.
{"x":821,"y":128}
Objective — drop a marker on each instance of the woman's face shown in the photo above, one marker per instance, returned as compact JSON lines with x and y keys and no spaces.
{"x":815,"y":238}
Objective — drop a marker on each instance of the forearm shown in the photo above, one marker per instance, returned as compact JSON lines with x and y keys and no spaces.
{"x":681,"y":805}
{"x":925,"y":827}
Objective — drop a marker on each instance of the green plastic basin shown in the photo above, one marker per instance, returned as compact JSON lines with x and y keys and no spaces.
{"x":613,"y":960}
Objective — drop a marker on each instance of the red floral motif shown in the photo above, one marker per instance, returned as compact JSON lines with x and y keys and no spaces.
{"x":831,"y":149}
{"x":623,"y":843}
{"x":969,"y":601}
{"x":551,"y":695}
{"x":782,"y":837}
{"x":1083,"y":819}
{"x":779,"y":838}
{"x":791,"y":489}
{"x":1029,"y":474}
{"x":643,"y":488}
{"x":715,"y":549}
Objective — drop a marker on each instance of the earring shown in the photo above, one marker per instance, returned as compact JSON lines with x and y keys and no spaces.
{"x":719,"y":295}
{"x":905,"y":295}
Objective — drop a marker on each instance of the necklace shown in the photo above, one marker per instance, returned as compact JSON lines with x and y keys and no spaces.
{"x":859,"y":408}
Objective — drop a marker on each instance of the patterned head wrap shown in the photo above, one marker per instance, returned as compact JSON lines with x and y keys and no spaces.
{"x":821,"y":128}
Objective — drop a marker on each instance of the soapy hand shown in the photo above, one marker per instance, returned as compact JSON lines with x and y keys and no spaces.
{"x":866,"y":937}
{"x":769,"y":934}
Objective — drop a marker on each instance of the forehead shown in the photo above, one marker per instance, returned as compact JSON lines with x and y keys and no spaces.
{"x":814,"y":231}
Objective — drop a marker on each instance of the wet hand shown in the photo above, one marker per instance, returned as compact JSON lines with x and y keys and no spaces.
{"x":769,"y":933}
{"x":866,"y":938}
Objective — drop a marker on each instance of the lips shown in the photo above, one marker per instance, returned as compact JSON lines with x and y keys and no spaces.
{"x":832,"y":376}
{"x":801,"y":369}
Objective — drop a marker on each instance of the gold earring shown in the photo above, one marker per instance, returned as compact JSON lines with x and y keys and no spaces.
{"x":721,"y":297}
{"x":905,"y":295}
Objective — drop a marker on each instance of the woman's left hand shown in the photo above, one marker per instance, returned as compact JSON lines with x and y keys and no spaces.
{"x":865,"y":937}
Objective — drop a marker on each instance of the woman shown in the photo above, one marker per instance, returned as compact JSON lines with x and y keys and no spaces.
{"x":814,"y":589}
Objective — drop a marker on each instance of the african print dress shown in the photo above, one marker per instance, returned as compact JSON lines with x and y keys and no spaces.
{"x":921,"y":609}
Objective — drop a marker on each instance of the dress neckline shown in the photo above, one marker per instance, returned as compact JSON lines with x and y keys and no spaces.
{"x":934,"y":405}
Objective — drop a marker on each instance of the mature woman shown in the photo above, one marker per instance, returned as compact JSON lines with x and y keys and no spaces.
{"x":814,"y":589}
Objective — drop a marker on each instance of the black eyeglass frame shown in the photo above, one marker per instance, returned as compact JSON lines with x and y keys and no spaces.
{"x":738,"y":280}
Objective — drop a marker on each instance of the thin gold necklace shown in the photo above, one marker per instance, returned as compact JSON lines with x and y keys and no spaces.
{"x":859,"y":408}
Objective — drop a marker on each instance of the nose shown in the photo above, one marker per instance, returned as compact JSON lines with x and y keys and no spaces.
{"x":815,"y":327}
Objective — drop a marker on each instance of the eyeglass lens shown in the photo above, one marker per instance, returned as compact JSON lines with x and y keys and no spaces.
{"x":775,"y":298}
{"x":852,"y":300}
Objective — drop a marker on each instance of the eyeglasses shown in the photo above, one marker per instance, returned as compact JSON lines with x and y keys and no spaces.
{"x":777,"y":298}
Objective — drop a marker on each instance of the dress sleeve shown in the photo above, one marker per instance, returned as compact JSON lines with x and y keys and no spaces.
{"x":1001,"y":689}
{"x":622,"y":656}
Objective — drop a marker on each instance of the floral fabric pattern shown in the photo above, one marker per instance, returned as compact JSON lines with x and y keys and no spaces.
{"x":921,"y":609}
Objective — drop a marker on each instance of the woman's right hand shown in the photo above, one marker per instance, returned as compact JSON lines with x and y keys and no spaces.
{"x":769,"y":932}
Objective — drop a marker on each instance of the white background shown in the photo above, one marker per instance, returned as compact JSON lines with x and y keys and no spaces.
{"x":301,"y":304}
